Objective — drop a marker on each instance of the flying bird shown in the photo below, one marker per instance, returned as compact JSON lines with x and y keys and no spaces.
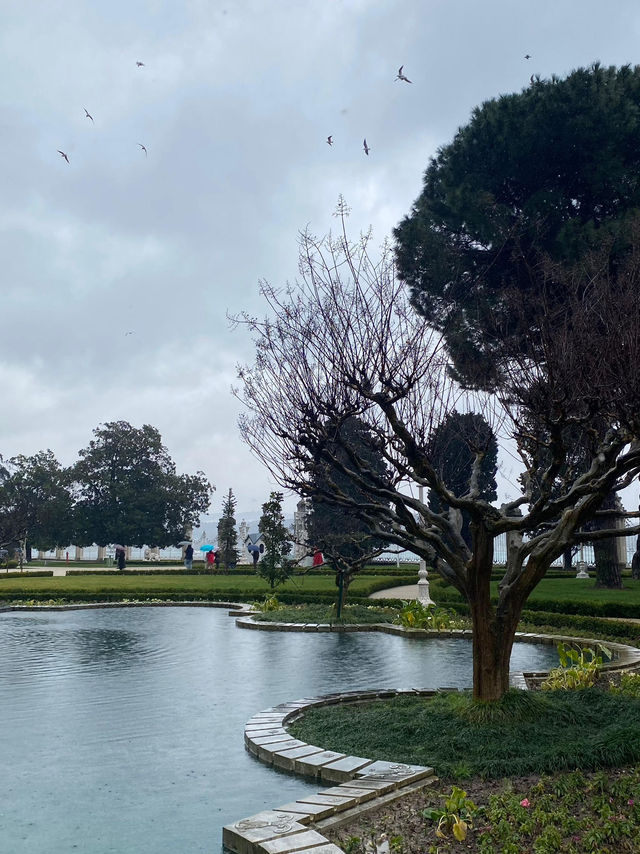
{"x":63,"y":154}
{"x":330,"y":140}
{"x":139,"y":64}
{"x":366,"y":147}
{"x":143,"y":148}
{"x":527,"y":56}
{"x":401,"y":76}
{"x":87,"y":114}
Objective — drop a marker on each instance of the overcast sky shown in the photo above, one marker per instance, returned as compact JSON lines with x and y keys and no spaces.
{"x":119,"y":269}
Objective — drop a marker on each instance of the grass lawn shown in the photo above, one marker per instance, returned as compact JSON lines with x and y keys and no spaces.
{"x":114,"y":587}
{"x":584,"y":590}
{"x":561,"y":590}
{"x":527,"y":732}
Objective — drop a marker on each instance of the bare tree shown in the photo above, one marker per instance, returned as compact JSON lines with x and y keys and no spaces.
{"x":344,"y":342}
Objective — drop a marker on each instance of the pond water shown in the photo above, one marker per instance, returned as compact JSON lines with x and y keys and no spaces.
{"x":121,"y":730}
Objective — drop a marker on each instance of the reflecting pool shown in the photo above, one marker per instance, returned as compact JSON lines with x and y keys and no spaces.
{"x":121,"y":730}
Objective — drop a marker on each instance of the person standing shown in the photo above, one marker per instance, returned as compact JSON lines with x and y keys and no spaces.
{"x":120,"y":557}
{"x":188,"y":557}
{"x":210,"y":560}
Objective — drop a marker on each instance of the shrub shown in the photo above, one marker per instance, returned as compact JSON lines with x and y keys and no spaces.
{"x":415,"y":615}
{"x":579,"y":668}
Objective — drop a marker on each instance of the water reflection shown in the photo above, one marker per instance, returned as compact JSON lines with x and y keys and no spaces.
{"x":122,"y":728}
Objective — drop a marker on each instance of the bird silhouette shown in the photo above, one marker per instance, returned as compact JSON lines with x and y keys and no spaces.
{"x":401,"y":76}
{"x":63,"y":154}
{"x":87,"y":114}
{"x":143,"y":148}
{"x":139,"y":64}
{"x":366,"y":147}
{"x":527,"y":56}
{"x":330,"y":140}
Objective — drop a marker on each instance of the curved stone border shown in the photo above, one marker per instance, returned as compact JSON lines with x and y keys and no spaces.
{"x":626,"y":657}
{"x":238,"y":608}
{"x":359,"y":780}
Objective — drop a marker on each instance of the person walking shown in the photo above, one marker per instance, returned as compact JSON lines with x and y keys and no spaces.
{"x":210,"y":560}
{"x":188,"y":557}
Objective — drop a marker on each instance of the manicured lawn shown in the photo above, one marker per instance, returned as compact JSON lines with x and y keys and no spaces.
{"x":583,"y":589}
{"x":114,"y":587}
{"x":561,"y":590}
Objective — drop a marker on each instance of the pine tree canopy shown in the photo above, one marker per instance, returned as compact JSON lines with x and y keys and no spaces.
{"x":547,"y":173}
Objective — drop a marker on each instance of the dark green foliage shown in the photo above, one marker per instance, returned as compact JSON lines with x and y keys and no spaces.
{"x":35,"y":501}
{"x":517,"y":735}
{"x":341,"y":534}
{"x":454,"y":447}
{"x":275,"y":567}
{"x":351,"y":614}
{"x":128,"y":491}
{"x":227,"y":534}
{"x":552,"y":171}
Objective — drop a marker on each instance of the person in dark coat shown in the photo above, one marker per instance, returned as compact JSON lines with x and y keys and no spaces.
{"x":120,"y":557}
{"x":188,"y":557}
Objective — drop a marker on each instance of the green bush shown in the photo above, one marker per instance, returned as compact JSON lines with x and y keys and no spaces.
{"x":416,"y":615}
{"x":579,"y":668}
{"x":629,"y":685}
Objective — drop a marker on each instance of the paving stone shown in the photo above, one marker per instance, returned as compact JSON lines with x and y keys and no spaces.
{"x":297,"y":752}
{"x":243,"y":836}
{"x":312,"y":764}
{"x":272,"y":739}
{"x":353,"y":793}
{"x":308,"y":811}
{"x":287,"y":761}
{"x":397,"y":772}
{"x":343,"y":769}
{"x":294,"y":842}
{"x":376,"y":786}
{"x":267,"y":752}
{"x":329,"y":800}
{"x":265,"y":730}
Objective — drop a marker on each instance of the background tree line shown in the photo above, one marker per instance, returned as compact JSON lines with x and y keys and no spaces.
{"x":123,"y":488}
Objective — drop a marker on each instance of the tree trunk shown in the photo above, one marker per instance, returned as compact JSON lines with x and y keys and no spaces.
{"x":567,"y":556}
{"x":605,"y":552}
{"x":343,"y":580}
{"x":635,"y":561}
{"x":493,"y":628}
{"x":493,"y":637}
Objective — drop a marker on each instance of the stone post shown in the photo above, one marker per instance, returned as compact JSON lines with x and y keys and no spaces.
{"x":79,"y":553}
{"x":423,"y":584}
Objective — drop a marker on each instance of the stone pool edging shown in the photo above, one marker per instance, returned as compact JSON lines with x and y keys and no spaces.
{"x":627,"y":657}
{"x":354,"y":783}
{"x":362,"y":784}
